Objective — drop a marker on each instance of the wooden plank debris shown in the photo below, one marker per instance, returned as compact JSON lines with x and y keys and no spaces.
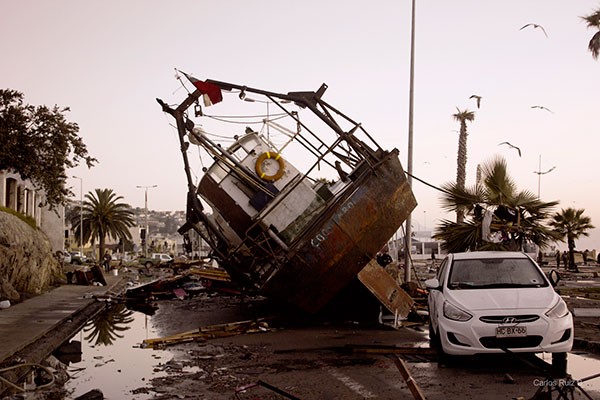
{"x":386,"y":289}
{"x":397,"y":350}
{"x":211,"y":273}
{"x":209,"y":332}
{"x":410,"y":382}
{"x":281,"y":392}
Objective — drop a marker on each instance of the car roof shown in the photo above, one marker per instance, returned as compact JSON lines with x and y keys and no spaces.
{"x":488,"y":254}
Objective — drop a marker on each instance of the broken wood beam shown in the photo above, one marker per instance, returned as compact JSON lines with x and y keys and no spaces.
{"x":410,"y":382}
{"x":403,"y":350}
{"x":209,"y":332}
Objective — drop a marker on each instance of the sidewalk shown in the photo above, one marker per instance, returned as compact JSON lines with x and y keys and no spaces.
{"x":25,"y":323}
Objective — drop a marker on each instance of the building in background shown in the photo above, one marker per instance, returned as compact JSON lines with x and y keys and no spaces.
{"x":21,"y":196}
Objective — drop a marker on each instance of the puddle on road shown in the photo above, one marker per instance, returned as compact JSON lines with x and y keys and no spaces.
{"x":581,"y":366}
{"x":112,"y":360}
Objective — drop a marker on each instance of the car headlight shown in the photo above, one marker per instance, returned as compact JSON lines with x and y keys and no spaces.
{"x":454,"y":313}
{"x":559,"y":310}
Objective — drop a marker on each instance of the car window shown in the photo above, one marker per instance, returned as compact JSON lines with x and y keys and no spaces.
{"x":495,"y":273}
{"x":442,"y":272}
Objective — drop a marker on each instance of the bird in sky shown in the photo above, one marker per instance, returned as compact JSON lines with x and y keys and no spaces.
{"x":476,"y":97}
{"x":535,"y":26}
{"x":545,"y":172}
{"x":543,"y":108}
{"x":512,"y":146}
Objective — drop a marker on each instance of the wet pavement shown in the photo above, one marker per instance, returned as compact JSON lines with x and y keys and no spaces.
{"x":309,"y":359}
{"x":26,"y":322}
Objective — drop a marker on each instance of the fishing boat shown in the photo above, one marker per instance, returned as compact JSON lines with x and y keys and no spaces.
{"x":297,"y":211}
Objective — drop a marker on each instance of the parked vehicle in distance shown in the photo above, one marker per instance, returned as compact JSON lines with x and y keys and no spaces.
{"x":66,"y":257}
{"x":484,"y":302}
{"x":77,"y":258}
{"x":155,"y":259}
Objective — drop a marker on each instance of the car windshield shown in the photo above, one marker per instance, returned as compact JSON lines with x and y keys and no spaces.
{"x":495,"y":273}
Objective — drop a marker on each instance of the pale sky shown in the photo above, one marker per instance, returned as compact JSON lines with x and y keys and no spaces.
{"x":109,"y":60}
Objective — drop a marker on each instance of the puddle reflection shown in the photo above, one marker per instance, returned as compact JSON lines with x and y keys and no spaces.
{"x":113,"y":362}
{"x":111,"y":358}
{"x":104,"y":328}
{"x":581,"y":366}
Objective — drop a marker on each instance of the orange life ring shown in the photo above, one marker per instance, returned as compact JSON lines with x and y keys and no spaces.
{"x":259,"y":162}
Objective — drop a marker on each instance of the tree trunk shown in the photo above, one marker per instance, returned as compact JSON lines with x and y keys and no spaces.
{"x":102,"y":245}
{"x":571,"y":243}
{"x":461,"y":167}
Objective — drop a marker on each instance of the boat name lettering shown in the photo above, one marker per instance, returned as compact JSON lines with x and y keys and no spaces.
{"x":328,"y":227}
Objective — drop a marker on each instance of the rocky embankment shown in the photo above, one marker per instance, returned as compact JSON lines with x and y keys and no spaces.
{"x":27,"y":265}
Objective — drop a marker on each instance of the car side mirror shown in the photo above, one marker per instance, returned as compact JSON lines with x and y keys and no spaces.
{"x":432,"y":284}
{"x":554,"y":277}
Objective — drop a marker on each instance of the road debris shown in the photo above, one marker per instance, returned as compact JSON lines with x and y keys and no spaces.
{"x":209,"y":332}
{"x":410,"y":382}
{"x":245,"y":388}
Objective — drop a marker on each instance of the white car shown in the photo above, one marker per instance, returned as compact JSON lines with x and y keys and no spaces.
{"x":164,"y":258}
{"x":484,"y":302}
{"x":66,"y":257}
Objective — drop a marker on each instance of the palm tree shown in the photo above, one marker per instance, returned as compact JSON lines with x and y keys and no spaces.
{"x":593,"y":21}
{"x":104,"y":215}
{"x":571,"y":224}
{"x":461,"y":159}
{"x":497,"y":215}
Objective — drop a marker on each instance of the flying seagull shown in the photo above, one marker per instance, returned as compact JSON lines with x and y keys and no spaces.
{"x":543,"y":108}
{"x":535,"y":26}
{"x":513,"y":146}
{"x":478,"y":98}
{"x":545,"y":172}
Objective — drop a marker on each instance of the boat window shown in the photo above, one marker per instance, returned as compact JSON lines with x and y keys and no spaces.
{"x":249,"y":143}
{"x":217,"y":172}
{"x":245,"y":146}
{"x":240,"y":153}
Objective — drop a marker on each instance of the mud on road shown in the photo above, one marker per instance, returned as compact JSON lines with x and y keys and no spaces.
{"x":312,"y":358}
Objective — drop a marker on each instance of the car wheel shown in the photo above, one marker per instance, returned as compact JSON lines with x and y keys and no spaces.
{"x":559,"y":364}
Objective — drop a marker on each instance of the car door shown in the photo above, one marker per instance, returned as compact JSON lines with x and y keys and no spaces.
{"x":435,"y":299}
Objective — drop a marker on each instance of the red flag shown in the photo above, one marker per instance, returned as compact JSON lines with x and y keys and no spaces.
{"x":210,"y":90}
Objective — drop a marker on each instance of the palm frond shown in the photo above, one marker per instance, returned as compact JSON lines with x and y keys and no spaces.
{"x":519,"y":216}
{"x":594,"y":45}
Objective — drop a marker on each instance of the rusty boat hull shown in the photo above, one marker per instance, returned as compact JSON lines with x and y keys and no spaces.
{"x":281,"y":229}
{"x":345,"y":238}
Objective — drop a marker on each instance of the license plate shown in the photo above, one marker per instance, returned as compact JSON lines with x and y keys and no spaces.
{"x":511,"y":331}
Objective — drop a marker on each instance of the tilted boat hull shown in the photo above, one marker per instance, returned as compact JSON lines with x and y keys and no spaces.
{"x":285,"y":230}
{"x":333,"y":252}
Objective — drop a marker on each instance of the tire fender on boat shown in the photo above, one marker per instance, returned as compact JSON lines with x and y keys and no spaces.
{"x":259,"y":166}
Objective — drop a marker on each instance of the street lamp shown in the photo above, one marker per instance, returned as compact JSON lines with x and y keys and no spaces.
{"x":146,"y":212}
{"x":409,"y":164}
{"x":80,"y":215}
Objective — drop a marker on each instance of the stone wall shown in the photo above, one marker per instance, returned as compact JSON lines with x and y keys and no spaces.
{"x":27,"y":264}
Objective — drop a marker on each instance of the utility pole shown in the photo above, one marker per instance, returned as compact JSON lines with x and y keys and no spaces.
{"x":146,"y":214}
{"x":408,"y":230}
{"x":80,"y":215}
{"x":539,"y":173}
